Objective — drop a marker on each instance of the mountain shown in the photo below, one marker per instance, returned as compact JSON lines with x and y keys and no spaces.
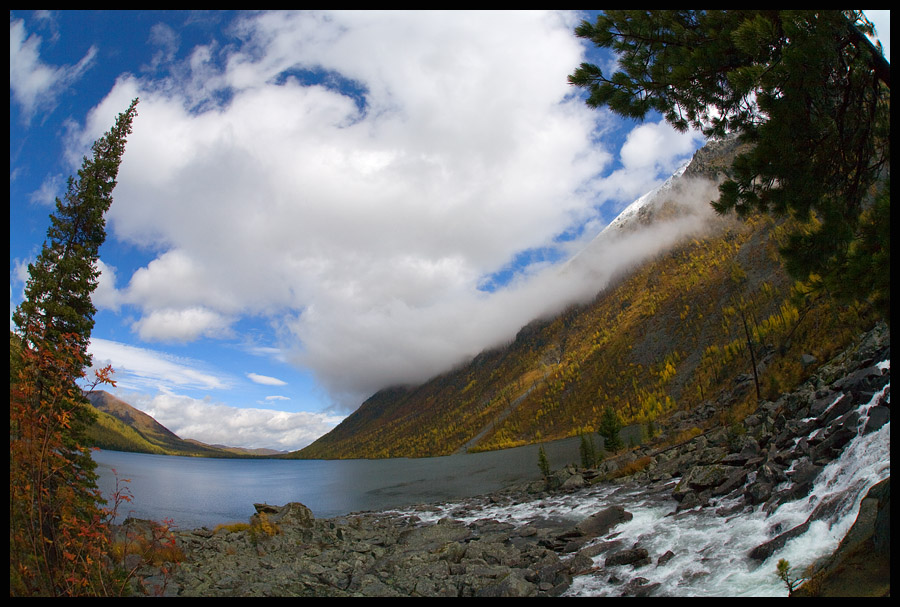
{"x":678,"y":305}
{"x":121,"y":427}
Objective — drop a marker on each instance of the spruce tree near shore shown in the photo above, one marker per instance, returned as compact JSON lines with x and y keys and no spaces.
{"x":58,"y":539}
{"x":609,"y":429}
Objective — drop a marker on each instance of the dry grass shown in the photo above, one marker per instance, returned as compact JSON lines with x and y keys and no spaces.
{"x":633,"y":467}
{"x":232,"y":527}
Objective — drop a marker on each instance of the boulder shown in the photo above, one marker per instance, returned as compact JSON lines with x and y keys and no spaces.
{"x":639,"y":587}
{"x":765,"y":550}
{"x":665,"y":558}
{"x":869,"y":379}
{"x":513,"y":585}
{"x":803,"y":475}
{"x":879,"y":415}
{"x":630,"y":556}
{"x":433,"y":537}
{"x":599,"y":523}
{"x":575,"y":481}
{"x":292,"y":513}
{"x":702,"y":477}
{"x":861,"y":564}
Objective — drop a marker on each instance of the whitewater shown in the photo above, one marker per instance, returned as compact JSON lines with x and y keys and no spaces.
{"x":710,"y":545}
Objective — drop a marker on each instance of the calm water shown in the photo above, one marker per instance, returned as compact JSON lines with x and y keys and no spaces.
{"x":196,"y":492}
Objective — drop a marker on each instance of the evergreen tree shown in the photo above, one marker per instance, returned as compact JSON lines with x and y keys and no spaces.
{"x":62,"y":279}
{"x":806,"y":89}
{"x":651,"y":429}
{"x":56,"y":543}
{"x":610,"y":426}
{"x":589,"y":457}
{"x":543,"y":462}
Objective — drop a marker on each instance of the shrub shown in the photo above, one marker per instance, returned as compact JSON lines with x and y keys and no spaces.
{"x":633,"y":467}
{"x":261,"y":527}
{"x":232,"y":527}
{"x":783,"y":571}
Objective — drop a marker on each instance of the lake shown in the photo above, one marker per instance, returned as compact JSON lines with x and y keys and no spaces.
{"x":195,"y":492}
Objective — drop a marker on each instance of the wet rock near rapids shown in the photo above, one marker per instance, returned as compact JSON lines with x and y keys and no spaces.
{"x":636,"y":557}
{"x":861,"y":564}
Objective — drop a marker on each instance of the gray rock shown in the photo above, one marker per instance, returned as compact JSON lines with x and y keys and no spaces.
{"x":575,"y":481}
{"x":665,"y":558}
{"x":600,"y":523}
{"x":639,"y":587}
{"x":513,"y":585}
{"x":765,"y":550}
{"x":803,"y":474}
{"x":878,"y":417}
{"x":629,"y":556}
{"x":704,"y":477}
{"x":862,"y":560}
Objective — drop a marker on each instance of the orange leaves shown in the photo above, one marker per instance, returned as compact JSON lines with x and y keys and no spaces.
{"x":58,"y":537}
{"x":104,"y":376}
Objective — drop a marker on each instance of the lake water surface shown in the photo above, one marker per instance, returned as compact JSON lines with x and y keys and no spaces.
{"x":195,"y":492}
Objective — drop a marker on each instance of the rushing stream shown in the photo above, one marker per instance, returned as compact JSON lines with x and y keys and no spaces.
{"x":711,"y":547}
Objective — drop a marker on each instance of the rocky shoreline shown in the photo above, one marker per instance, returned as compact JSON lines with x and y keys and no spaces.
{"x":773,"y":458}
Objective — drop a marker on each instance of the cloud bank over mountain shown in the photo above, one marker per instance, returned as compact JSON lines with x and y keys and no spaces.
{"x":352,"y":178}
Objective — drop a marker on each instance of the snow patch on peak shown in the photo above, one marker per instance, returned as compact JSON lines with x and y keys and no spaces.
{"x":632,"y":211}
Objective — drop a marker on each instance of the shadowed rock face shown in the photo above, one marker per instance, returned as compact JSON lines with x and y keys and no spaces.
{"x":861,"y":566}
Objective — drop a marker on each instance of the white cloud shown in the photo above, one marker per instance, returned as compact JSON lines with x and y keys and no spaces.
{"x":140,"y":372}
{"x":215,"y":423}
{"x":363,"y":231}
{"x":35,"y":85}
{"x":49,"y":190}
{"x":266,"y":380}
{"x":167,"y":40}
{"x":105,"y":295}
{"x":143,"y":369}
{"x":651,"y":152}
{"x":181,"y":325}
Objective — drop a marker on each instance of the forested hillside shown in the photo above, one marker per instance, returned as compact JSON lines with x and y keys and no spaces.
{"x":669,"y":335}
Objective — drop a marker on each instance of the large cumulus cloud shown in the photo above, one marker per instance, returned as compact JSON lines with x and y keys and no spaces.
{"x":354,"y":177}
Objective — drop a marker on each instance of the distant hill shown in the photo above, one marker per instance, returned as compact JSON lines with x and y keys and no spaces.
{"x":121,"y":427}
{"x":670,"y":333}
{"x":241,"y":451}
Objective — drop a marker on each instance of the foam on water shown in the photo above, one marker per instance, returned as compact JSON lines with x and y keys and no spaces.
{"x":711,"y":550}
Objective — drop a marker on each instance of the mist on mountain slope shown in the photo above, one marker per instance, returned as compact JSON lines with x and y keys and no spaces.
{"x":428,"y":340}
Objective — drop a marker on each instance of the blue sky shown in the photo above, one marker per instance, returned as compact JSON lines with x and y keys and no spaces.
{"x":314,"y":206}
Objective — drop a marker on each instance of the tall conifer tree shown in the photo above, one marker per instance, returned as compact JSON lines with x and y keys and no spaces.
{"x":55,"y":543}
